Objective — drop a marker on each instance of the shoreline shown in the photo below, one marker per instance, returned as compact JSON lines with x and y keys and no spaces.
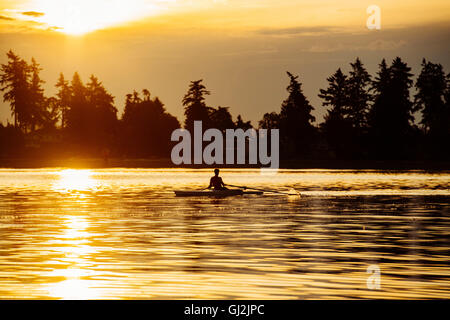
{"x":156,"y":163}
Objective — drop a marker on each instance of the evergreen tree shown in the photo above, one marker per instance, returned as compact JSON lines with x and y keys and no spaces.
{"x":91,"y":117}
{"x":336,"y":95}
{"x":101,"y":115}
{"x":146,"y":126}
{"x":447,"y":90}
{"x":296,"y":129}
{"x":430,"y":97}
{"x":432,"y":87}
{"x":23,"y":90}
{"x":52,"y":114}
{"x":337,"y":128}
{"x":37,"y":111}
{"x":63,"y":97}
{"x":14,"y":80}
{"x":221,"y":119}
{"x":195,"y":106}
{"x":379,"y":111}
{"x":359,"y":96}
{"x":76,"y":114}
{"x":391,"y":116}
{"x":270,"y":121}
{"x":12,"y":141}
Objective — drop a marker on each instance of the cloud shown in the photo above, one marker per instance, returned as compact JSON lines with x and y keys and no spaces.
{"x":6,"y":18}
{"x":297,"y":31}
{"x":53,"y":28}
{"x":383,"y":45}
{"x":33,"y":14}
{"x":378,"y":45}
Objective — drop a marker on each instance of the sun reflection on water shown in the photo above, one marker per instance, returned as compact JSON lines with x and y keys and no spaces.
{"x":72,"y":180}
{"x":74,"y":250}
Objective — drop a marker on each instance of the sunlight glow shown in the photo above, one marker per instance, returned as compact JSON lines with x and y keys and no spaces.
{"x":75,"y":180}
{"x":77,"y":17}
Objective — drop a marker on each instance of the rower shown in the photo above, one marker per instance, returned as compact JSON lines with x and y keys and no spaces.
{"x":216,"y":182}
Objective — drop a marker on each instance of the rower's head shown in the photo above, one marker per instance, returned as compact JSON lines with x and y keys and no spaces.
{"x":216,"y":172}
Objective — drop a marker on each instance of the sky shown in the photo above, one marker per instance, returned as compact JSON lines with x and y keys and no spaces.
{"x":240,"y":48}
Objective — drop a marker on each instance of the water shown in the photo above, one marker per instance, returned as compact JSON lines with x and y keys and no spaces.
{"x":121,"y":234}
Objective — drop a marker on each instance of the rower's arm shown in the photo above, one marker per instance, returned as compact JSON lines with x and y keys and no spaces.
{"x":210,"y":184}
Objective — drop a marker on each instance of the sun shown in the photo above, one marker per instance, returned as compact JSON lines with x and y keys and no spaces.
{"x":78,"y":17}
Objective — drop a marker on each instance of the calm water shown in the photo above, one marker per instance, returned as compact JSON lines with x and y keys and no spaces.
{"x":91,"y":234}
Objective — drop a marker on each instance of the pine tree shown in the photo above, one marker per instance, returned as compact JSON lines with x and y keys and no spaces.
{"x":270,"y":121}
{"x":37,"y":111}
{"x":336,"y":95}
{"x":76,"y":114}
{"x":296,"y":129}
{"x":195,"y":106}
{"x":379,"y":111}
{"x":146,"y":126}
{"x":100,"y":115}
{"x":337,"y":127}
{"x":14,"y":80}
{"x":63,"y":97}
{"x":221,"y":119}
{"x":358,"y":84}
{"x":391,"y":116}
{"x":430,"y":99}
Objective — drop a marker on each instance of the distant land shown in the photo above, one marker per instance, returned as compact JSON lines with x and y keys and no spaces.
{"x":154,"y":163}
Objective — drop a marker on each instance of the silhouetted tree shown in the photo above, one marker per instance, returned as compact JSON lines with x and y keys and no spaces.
{"x":447,"y":92}
{"x":391,"y":116}
{"x":195,"y":107}
{"x":102,"y":113}
{"x":296,"y":129}
{"x":92,"y":116}
{"x":241,"y":124}
{"x":77,"y":112}
{"x":14,"y":80}
{"x":430,"y":98}
{"x":12,"y":141}
{"x":359,"y":96}
{"x":63,"y":97}
{"x":38,"y":115}
{"x":24,"y":92}
{"x":336,"y":95}
{"x":51,"y":116}
{"x":337,"y":127}
{"x":270,"y":121}
{"x":146,"y":126}
{"x":221,"y":119}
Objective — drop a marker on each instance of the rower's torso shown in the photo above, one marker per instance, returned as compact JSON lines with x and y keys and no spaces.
{"x":216,"y":182}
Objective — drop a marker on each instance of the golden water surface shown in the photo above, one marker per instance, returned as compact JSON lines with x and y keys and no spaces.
{"x":122,"y":234}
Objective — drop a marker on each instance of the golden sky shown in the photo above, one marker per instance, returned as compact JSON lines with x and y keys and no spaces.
{"x":241,"y":48}
{"x":81,"y":16}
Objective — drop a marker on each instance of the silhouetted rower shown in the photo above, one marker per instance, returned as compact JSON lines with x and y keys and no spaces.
{"x":216,"y":182}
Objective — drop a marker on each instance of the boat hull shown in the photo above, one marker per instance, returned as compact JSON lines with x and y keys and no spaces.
{"x":214,"y":193}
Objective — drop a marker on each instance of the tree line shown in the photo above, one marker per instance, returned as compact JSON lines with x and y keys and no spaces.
{"x":367,"y":117}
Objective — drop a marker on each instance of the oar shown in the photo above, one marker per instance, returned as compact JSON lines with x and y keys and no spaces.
{"x":264,"y":190}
